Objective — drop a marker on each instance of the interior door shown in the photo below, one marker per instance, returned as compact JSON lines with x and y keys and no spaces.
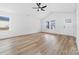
{"x":68,"y":26}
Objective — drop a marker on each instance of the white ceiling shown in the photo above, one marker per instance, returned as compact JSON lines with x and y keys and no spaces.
{"x":62,"y":7}
{"x":26,"y":8}
{"x":54,"y":7}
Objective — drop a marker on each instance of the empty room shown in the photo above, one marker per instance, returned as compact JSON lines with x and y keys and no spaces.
{"x":39,"y":28}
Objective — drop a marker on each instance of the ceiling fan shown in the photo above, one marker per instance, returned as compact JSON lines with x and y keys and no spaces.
{"x":40,"y":7}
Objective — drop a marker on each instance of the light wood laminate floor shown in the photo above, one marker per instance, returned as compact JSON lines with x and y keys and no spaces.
{"x":39,"y":44}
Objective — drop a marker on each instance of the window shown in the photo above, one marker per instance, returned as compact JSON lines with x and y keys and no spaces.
{"x":4,"y":23}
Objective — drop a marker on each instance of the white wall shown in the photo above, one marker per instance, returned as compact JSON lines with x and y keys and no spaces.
{"x":25,"y":20}
{"x":59,"y":17}
{"x":77,"y":13}
{"x":21,"y":20}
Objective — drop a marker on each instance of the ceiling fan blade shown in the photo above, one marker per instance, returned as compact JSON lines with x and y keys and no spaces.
{"x":37,"y":9}
{"x":38,"y":4}
{"x":44,"y":7}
